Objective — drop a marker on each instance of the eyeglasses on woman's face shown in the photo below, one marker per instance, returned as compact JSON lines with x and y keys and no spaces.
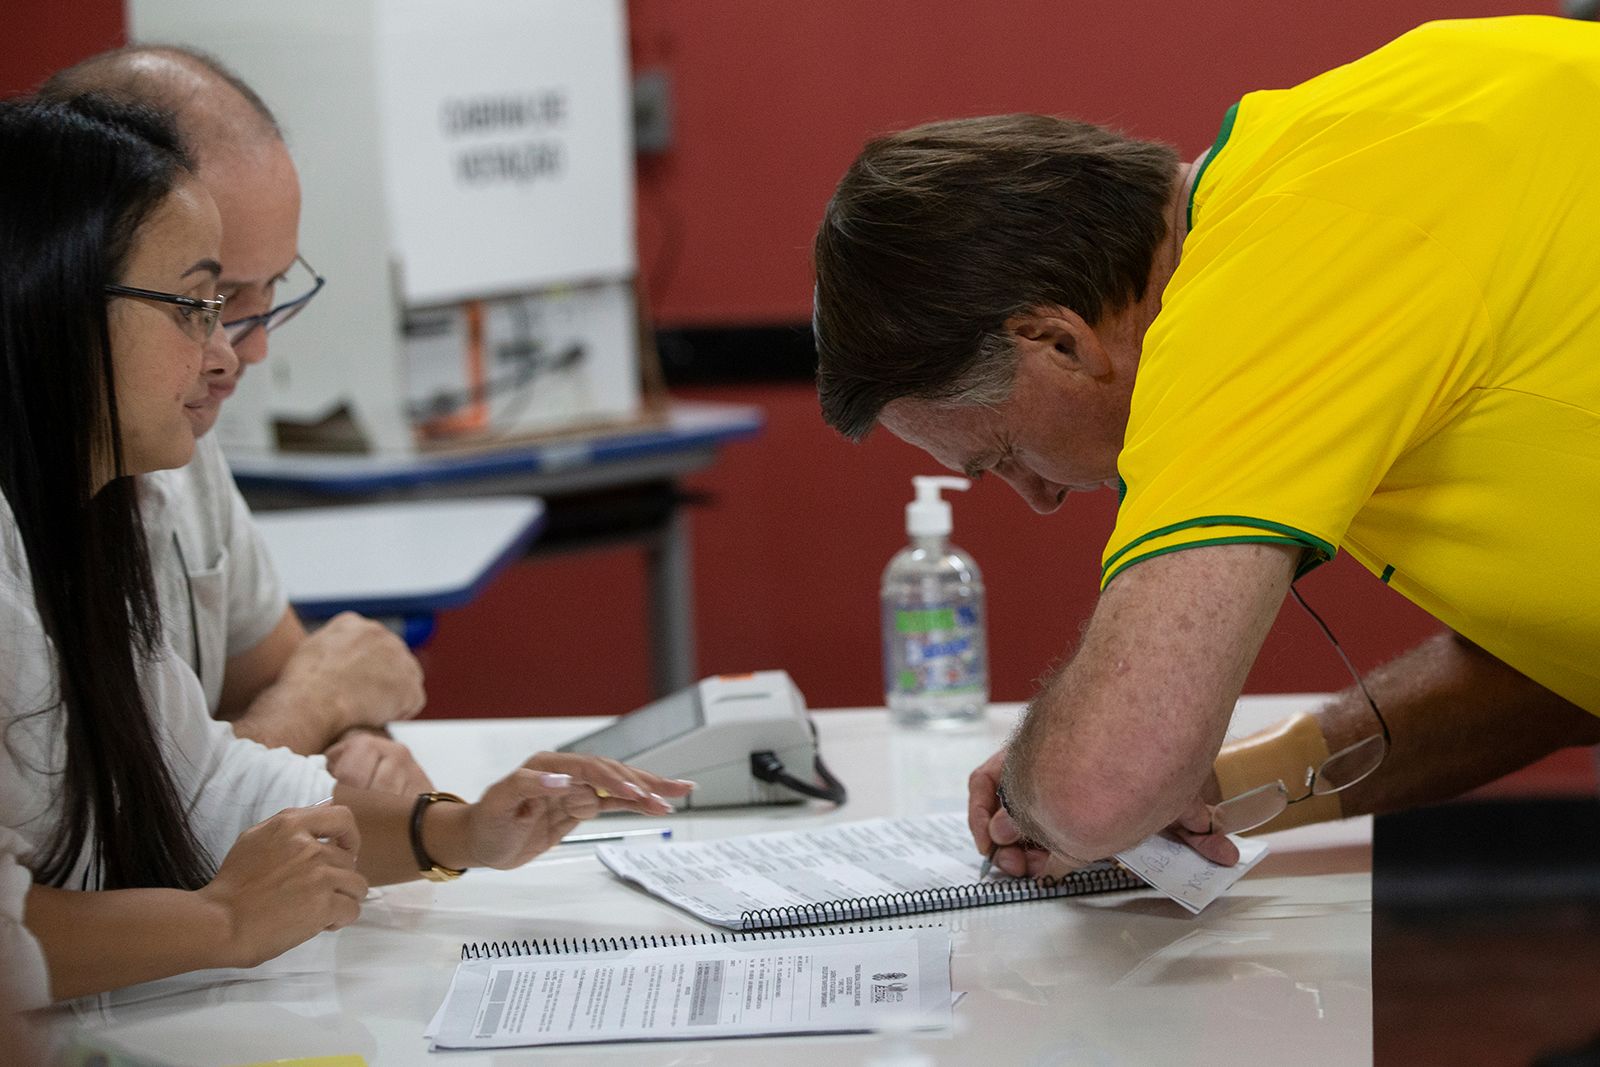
{"x":196,"y":316}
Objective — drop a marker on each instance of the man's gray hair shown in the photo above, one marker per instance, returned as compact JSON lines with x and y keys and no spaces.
{"x":992,"y":377}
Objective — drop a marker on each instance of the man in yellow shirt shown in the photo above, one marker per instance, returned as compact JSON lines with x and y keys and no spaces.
{"x":1367,"y":319}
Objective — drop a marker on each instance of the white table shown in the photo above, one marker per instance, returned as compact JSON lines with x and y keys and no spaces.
{"x":1277,"y":972}
{"x":404,"y":558}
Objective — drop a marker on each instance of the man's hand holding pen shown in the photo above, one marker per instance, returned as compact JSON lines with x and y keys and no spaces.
{"x":996,"y":836}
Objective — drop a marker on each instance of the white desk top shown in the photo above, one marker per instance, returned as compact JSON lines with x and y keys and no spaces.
{"x":1279,"y":971}
{"x":399,"y":558}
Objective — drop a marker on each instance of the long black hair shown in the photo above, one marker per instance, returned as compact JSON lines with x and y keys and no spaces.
{"x":77,"y":180}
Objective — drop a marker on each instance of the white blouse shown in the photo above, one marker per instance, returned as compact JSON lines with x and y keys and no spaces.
{"x":227,"y":784}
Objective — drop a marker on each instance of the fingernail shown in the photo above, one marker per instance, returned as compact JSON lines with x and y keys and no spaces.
{"x":685,"y":781}
{"x":638,"y":790}
{"x":555,"y":781}
{"x":659,"y":799}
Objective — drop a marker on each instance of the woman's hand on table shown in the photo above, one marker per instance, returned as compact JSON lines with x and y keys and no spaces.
{"x":540,"y":802}
{"x":285,"y":880}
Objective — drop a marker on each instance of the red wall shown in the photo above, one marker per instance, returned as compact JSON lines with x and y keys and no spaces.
{"x":42,"y":36}
{"x":772,"y":99}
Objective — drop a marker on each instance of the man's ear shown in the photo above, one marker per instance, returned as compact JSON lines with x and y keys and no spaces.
{"x":1061,"y":338}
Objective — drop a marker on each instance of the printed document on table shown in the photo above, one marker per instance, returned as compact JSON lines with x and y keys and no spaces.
{"x":828,"y":982}
{"x":719,"y":881}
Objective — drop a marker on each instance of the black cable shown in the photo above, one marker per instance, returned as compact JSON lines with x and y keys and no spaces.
{"x":532,"y":362}
{"x":767,"y":767}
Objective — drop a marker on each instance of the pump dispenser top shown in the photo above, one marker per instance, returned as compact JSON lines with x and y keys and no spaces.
{"x":929,"y":514}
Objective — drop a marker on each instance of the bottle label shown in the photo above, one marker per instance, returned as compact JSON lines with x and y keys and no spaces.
{"x":941,"y":650}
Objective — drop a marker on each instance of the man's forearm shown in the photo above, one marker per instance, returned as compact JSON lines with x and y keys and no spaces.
{"x":279,"y":718}
{"x":1458,"y":718}
{"x":261,"y":707}
{"x":304,"y":691}
{"x":1120,"y":742}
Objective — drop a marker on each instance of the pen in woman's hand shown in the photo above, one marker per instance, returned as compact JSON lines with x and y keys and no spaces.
{"x":616,"y":835}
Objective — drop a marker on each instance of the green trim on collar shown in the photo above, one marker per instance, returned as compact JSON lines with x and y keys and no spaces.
{"x":1211,"y":154}
{"x":1323,"y":549}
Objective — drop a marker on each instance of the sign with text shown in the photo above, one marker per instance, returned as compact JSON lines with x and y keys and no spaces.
{"x":507,"y":144}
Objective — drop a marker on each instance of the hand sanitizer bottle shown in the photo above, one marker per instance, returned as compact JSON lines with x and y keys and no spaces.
{"x":935,"y":653}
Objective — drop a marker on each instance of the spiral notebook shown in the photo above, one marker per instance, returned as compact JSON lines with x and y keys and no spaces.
{"x":871,"y":869}
{"x":565,"y":991}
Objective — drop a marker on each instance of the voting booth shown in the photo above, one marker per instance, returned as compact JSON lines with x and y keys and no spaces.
{"x":468,"y":195}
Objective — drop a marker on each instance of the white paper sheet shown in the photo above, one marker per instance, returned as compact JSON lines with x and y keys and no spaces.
{"x":1186,"y":876}
{"x":829,"y":982}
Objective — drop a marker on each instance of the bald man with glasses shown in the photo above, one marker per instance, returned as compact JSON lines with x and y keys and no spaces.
{"x":223,"y":607}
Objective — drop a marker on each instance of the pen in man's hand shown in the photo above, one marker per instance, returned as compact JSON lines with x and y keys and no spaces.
{"x":988,"y":861}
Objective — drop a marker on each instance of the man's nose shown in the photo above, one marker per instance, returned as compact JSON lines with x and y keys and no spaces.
{"x":252,"y":347}
{"x":218,"y":357}
{"x":1042,"y":496}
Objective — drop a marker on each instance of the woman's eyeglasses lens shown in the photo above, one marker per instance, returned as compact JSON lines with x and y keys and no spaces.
{"x":197,"y":317}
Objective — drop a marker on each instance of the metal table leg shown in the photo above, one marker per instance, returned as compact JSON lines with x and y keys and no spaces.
{"x":672,"y":653}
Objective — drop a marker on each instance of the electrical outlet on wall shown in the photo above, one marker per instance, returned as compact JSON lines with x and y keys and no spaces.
{"x":652,"y":111}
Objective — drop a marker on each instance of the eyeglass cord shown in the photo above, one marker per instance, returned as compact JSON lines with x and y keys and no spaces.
{"x":1351,"y":667}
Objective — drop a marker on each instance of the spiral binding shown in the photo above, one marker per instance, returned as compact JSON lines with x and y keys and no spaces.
{"x":1101,"y":878}
{"x":567,"y":946}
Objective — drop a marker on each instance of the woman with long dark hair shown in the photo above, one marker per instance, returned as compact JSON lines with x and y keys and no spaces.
{"x":147,"y":839}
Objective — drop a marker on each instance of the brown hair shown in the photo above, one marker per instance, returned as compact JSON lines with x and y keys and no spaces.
{"x":938,"y":235}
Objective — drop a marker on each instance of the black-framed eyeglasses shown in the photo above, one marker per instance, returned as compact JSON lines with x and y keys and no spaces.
{"x":198,"y":317}
{"x":239,"y":329}
{"x":1338,"y":772}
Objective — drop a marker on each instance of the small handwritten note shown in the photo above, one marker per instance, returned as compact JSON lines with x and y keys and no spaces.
{"x":1183,"y":874}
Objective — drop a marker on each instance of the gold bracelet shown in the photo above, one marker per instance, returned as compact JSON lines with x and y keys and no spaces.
{"x":433,"y":872}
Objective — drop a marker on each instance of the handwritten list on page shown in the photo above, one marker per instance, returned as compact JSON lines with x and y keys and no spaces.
{"x":1183,"y":874}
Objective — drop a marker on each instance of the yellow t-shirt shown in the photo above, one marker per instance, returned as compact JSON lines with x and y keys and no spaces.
{"x":1383,"y":335}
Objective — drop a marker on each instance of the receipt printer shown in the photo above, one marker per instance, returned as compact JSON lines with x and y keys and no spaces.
{"x":742,"y":738}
